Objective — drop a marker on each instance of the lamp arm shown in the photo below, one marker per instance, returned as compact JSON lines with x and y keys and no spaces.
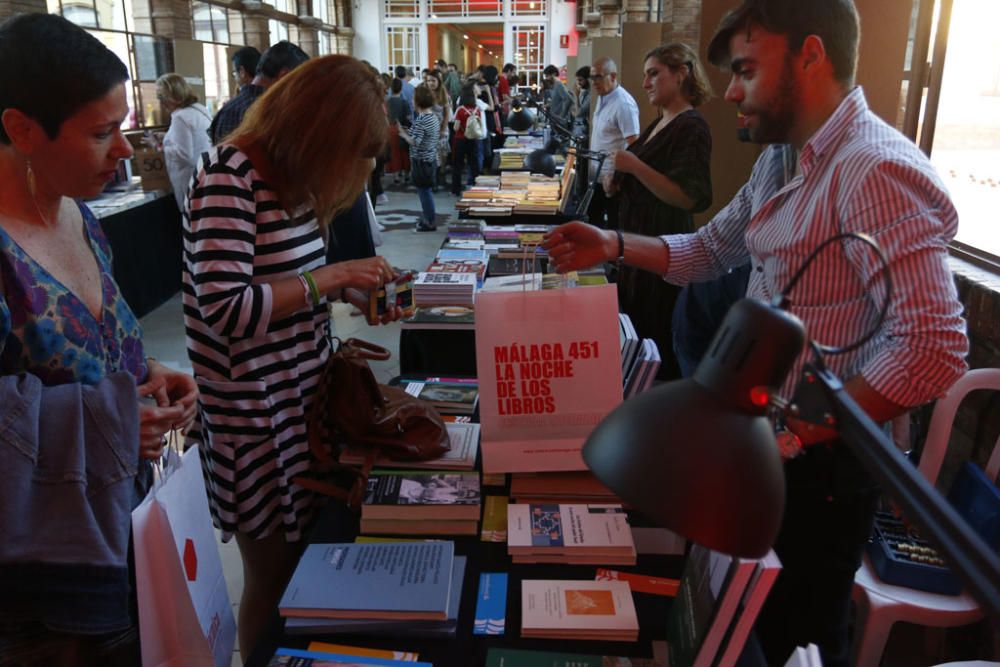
{"x":966,"y":552}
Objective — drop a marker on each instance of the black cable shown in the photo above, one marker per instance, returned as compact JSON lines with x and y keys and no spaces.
{"x":782,"y":300}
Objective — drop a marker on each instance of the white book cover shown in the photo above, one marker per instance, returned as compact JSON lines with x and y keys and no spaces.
{"x":541,"y":526}
{"x":549,"y":604}
{"x":513,"y":283}
{"x":444,"y":278}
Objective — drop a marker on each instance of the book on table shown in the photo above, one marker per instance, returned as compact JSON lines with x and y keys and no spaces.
{"x":445,"y":289}
{"x":559,"y":487}
{"x":449,"y":395}
{"x":289,"y":657}
{"x":385,"y":580}
{"x":569,"y":533}
{"x":464,"y":439}
{"x":756,"y":593}
{"x":422,"y":494}
{"x":712,"y":585}
{"x":592,"y":610}
{"x":407,"y":628}
{"x":514,"y":657}
{"x":347,"y":649}
{"x":441,"y":317}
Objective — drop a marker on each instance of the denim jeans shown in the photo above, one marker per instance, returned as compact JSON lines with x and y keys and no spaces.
{"x":427,"y":204}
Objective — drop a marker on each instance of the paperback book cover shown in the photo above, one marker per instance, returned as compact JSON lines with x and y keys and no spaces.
{"x":494,"y":519}
{"x":422,"y":494}
{"x":565,"y":609}
{"x":398,"y":580}
{"x":408,"y":628}
{"x":491,"y":604}
{"x":565,"y":528}
{"x":513,"y":657}
{"x":447,"y":394}
{"x":346,"y":649}
{"x":288,"y":657}
{"x":441,"y":317}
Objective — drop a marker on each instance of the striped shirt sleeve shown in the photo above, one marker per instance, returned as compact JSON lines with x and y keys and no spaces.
{"x":221,"y":235}
{"x":923,"y":344}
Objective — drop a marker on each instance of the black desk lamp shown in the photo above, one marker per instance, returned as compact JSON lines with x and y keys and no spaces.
{"x":519,"y":119}
{"x":698,"y":456}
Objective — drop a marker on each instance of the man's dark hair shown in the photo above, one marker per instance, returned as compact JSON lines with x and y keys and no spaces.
{"x":467,"y":96}
{"x":551,"y":70}
{"x":453,"y":65}
{"x":584,"y":72}
{"x":490,"y":74}
{"x":247,"y":58}
{"x":400,"y":72}
{"x":833,"y":21}
{"x":396,"y":87}
{"x":440,"y":63}
{"x":281,"y":56}
{"x":509,"y":67}
{"x":51,"y":68}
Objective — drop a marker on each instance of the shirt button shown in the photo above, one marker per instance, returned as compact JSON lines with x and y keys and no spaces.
{"x":760,"y":268}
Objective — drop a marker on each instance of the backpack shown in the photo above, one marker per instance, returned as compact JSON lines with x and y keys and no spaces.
{"x":474,"y":126}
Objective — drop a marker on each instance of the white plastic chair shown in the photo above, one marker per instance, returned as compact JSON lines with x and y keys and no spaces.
{"x":880,"y":605}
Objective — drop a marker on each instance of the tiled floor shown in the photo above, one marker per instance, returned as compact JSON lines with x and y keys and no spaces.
{"x":164,"y":328}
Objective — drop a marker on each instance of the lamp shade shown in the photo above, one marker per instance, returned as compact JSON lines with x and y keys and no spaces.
{"x":698,"y":455}
{"x":519,"y":119}
{"x":541,"y":162}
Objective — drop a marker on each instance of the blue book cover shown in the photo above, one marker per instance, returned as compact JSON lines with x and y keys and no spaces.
{"x":546,"y":526}
{"x":290,"y":657}
{"x":491,"y":605}
{"x":399,"y":580}
{"x":460,"y":254}
{"x":313,"y":626}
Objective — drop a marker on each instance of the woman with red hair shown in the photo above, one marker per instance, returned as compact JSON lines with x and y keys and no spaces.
{"x":256,"y":286}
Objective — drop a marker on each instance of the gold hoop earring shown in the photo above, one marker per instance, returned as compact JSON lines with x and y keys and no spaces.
{"x":30,"y":177}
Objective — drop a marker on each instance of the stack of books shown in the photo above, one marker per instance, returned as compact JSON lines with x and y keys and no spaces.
{"x":588,"y":610}
{"x":570,"y":534}
{"x":465,"y":230}
{"x":440,"y":317}
{"x":453,"y":396}
{"x":357,"y":588}
{"x":421,"y":502}
{"x":464,"y":440}
{"x":542,"y":198}
{"x":643,"y":372}
{"x":560,"y":487}
{"x":444,"y":289}
{"x":512,"y":160}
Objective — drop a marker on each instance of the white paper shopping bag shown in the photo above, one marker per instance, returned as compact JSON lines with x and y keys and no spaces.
{"x":185,"y":617}
{"x":549,"y":367}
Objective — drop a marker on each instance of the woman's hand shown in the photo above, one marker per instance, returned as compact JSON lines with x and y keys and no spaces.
{"x":362,"y":274}
{"x":361,"y":300}
{"x":624,"y":161}
{"x":167,"y":401}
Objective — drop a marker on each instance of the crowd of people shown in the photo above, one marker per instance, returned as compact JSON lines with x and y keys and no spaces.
{"x":277,"y":194}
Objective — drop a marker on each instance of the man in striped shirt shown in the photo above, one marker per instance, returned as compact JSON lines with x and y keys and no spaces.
{"x":793,"y":68}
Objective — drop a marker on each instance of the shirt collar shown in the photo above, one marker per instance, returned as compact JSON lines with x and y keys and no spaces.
{"x":832,"y":132}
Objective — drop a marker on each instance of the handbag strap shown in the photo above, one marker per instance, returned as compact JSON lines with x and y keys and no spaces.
{"x":367,"y":350}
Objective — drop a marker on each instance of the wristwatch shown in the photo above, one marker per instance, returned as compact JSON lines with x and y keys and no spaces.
{"x":789,"y":444}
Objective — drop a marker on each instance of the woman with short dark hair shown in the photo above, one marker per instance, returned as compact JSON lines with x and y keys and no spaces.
{"x":68,"y":344}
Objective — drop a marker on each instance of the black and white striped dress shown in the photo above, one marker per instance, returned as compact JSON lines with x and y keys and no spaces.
{"x":257,"y":377}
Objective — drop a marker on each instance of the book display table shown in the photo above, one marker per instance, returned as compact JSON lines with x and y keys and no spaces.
{"x":144,"y":230}
{"x":338,"y":524}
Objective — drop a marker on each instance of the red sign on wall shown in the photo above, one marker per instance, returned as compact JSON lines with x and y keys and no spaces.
{"x":563,"y":41}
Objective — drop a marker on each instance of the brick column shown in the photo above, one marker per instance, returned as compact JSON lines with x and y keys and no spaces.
{"x":685,"y":23}
{"x":592,"y":23}
{"x":345,"y":40}
{"x":10,"y":7}
{"x":637,"y":11}
{"x":163,"y":18}
{"x":611,"y":18}
{"x":255,"y":32}
{"x":309,"y":33}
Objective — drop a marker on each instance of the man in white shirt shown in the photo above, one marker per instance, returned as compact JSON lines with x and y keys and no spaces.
{"x":614,"y":127}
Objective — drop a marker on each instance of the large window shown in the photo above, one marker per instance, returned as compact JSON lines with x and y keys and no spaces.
{"x":529,"y":52}
{"x":528,"y":7}
{"x":956,"y":117}
{"x":401,"y":9}
{"x":401,"y":47}
{"x":211,"y":22}
{"x":438,"y":8}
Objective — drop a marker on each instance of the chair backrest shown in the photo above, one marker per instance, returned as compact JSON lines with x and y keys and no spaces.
{"x":939,"y":430}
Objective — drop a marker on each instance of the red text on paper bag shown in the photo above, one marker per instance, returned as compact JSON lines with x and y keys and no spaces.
{"x":549,"y":366}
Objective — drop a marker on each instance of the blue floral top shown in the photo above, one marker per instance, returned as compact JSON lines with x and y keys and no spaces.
{"x":47,"y":331}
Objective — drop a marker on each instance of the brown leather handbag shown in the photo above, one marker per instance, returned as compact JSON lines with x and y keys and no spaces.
{"x":352,"y":408}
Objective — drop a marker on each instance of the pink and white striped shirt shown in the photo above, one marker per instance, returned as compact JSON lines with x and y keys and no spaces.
{"x":856,"y":174}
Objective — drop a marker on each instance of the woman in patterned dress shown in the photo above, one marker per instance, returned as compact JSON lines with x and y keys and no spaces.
{"x":65,"y":325}
{"x":256,"y":286}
